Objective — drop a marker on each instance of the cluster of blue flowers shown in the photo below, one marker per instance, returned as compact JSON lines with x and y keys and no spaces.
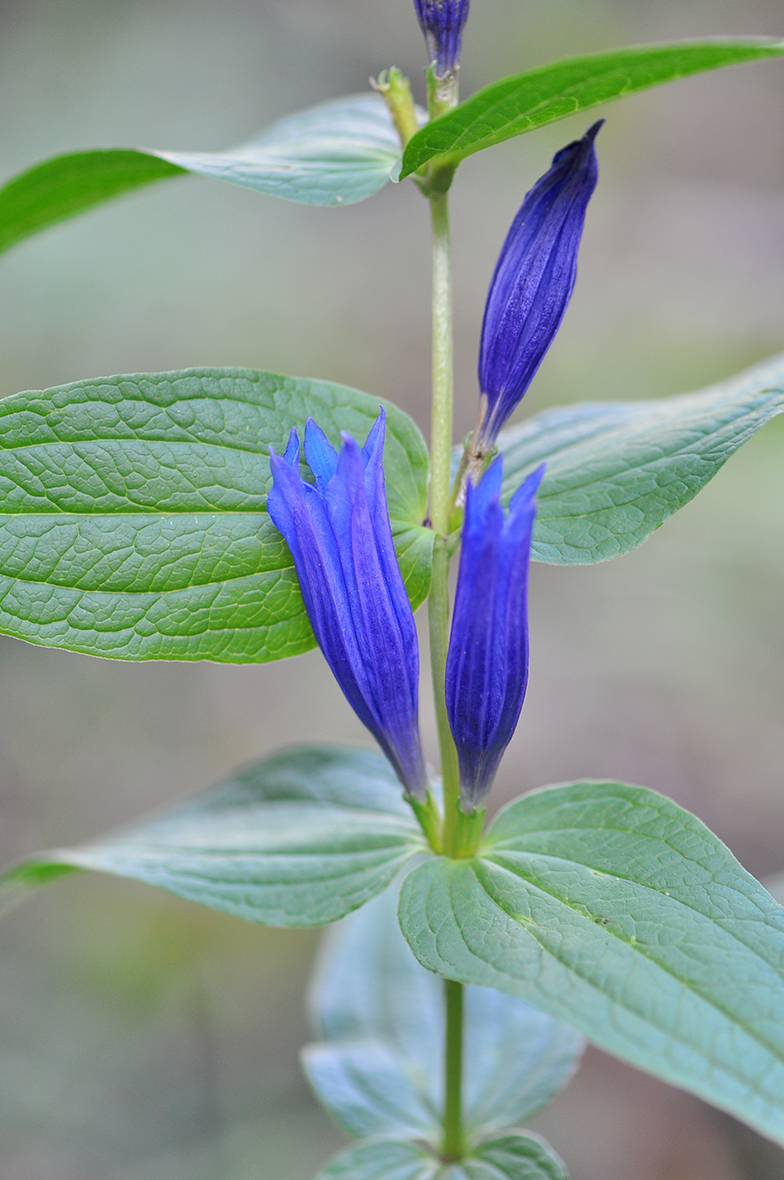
{"x":339,"y":533}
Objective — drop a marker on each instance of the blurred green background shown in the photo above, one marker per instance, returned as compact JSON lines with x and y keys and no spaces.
{"x":145,"y":1039}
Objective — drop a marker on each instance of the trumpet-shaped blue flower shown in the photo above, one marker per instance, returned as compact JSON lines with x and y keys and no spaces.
{"x":442,"y":23}
{"x":533,"y":281}
{"x":487,"y":661}
{"x":339,"y":535}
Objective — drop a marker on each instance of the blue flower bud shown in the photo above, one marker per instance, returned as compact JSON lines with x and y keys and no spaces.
{"x":533,"y":281}
{"x":339,"y":535}
{"x":487,"y":660}
{"x":442,"y":23}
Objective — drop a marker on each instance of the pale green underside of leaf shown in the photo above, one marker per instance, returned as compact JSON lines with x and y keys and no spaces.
{"x":617,"y":470}
{"x":132,"y":512}
{"x":613,"y":909}
{"x":510,"y":1157}
{"x":543,"y":95}
{"x":334,"y":154}
{"x":379,"y":1067}
{"x":298,"y":839}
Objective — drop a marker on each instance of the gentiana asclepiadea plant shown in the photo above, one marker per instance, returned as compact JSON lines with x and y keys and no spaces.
{"x":452,"y":1003}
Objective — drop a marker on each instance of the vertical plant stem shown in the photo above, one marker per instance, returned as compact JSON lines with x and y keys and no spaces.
{"x":443,"y":385}
{"x":438,"y":608}
{"x":440,"y":505}
{"x":453,"y":1145}
{"x":442,"y":95}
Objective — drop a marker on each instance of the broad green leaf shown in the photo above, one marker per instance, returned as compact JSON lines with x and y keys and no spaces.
{"x":132,"y":512}
{"x":613,"y":909}
{"x":543,"y":95}
{"x":379,"y":1068}
{"x":65,"y":185}
{"x":617,"y":470}
{"x":365,"y":1088}
{"x":383,"y":1159}
{"x":515,"y":1157}
{"x":510,"y":1157}
{"x":333,"y":154}
{"x":298,"y":839}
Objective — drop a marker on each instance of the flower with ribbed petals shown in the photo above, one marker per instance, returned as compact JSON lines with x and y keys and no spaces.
{"x":487,"y":660}
{"x":442,"y":23}
{"x":533,"y":282}
{"x":339,"y":535}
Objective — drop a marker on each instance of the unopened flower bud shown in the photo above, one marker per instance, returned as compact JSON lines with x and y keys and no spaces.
{"x":533,"y":281}
{"x":487,"y":660}
{"x":442,"y":23}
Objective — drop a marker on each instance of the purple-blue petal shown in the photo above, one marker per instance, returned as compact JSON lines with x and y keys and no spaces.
{"x":321,"y":456}
{"x":487,"y":661}
{"x":341,"y":541}
{"x":533,"y":280}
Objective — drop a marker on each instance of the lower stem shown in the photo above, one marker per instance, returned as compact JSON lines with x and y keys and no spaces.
{"x":453,"y":1146}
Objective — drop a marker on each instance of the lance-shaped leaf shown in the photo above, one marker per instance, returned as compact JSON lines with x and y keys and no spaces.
{"x":379,"y":1068}
{"x":617,"y":470}
{"x":543,"y":95}
{"x":510,"y":1157}
{"x":619,"y":912}
{"x":298,"y":839}
{"x":133,"y":521}
{"x":333,"y":154}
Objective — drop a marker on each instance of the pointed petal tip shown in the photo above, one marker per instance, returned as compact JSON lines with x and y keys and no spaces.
{"x":525,"y":496}
{"x":594,"y":130}
{"x":535,"y":478}
{"x":349,"y":441}
{"x":291,"y":454}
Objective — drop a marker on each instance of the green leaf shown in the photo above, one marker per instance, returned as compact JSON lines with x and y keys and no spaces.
{"x":512,"y":1157}
{"x":613,"y":909}
{"x":384,"y":1159}
{"x":515,"y":1157}
{"x":379,"y":1070}
{"x":63,"y":186}
{"x":132,"y":512}
{"x":336,"y":153}
{"x":543,"y":95}
{"x":617,"y":470}
{"x":298,"y":839}
{"x":365,"y":1088}
{"x":333,"y":154}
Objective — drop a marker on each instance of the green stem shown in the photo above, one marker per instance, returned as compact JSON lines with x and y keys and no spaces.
{"x":441,"y":418}
{"x":442,"y":97}
{"x":453,"y":1146}
{"x":440,"y":504}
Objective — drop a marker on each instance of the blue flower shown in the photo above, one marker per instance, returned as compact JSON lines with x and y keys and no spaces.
{"x":339,"y":535}
{"x":442,"y":23}
{"x":487,"y":661}
{"x":533,"y":282}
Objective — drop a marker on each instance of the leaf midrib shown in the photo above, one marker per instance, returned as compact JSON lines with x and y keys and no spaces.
{"x":159,"y":870}
{"x":531,"y":930}
{"x":556,"y":833}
